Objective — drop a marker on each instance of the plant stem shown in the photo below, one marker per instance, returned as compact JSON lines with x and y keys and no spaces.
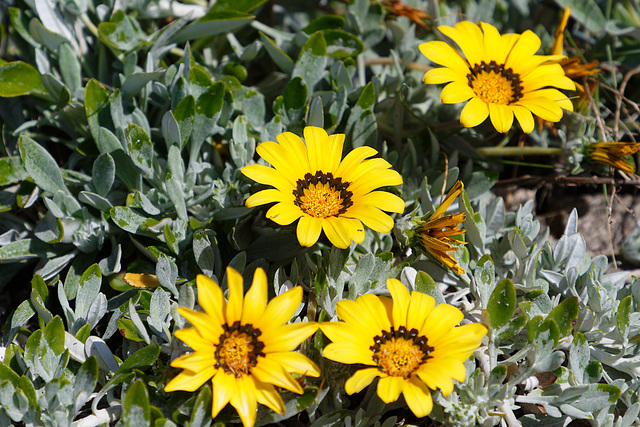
{"x":518,"y":151}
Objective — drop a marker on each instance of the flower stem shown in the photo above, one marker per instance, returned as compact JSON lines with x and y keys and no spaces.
{"x":518,"y":151}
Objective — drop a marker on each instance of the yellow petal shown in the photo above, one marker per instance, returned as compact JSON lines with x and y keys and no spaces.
{"x":346,"y":332}
{"x":378,"y":178}
{"x":551,"y":75}
{"x":560,"y":98}
{"x":557,"y":47}
{"x":400,"y":295}
{"x":268,"y":176}
{"x":336,"y":231}
{"x":205,"y":324}
{"x":494,"y":45}
{"x":284,"y":213}
{"x":451,"y":196}
{"x":245,"y":400}
{"x":348,"y":353}
{"x":443,"y":54}
{"x":308,"y":230}
{"x":420,"y":306}
{"x":460,"y":342}
{"x":440,"y":373}
{"x":359,"y":317}
{"x":389,"y":388}
{"x":280,"y":159}
{"x":501,"y":117}
{"x":361,"y":379}
{"x":190,"y":381}
{"x":193,"y":339}
{"x":442,"y":75}
{"x":524,"y":117}
{"x":271,"y":372}
{"x":475,"y":112}
{"x":382,"y":200}
{"x":334,"y":153}
{"x":470,"y":39}
{"x":286,"y":337}
{"x":367,"y":168}
{"x":236,"y":292}
{"x":355,"y":229}
{"x":349,"y":164}
{"x":295,"y":363}
{"x":526,"y":46}
{"x":418,"y":397}
{"x":280,"y":309}
{"x":223,"y":387}
{"x":317,"y":145}
{"x":269,"y":196}
{"x":373,"y":306}
{"x":542,"y":107}
{"x":197,"y":361}
{"x":269,"y":396}
{"x":295,"y":148}
{"x":440,"y":322}
{"x":255,"y":301}
{"x":211,"y":298}
{"x":456,"y":92}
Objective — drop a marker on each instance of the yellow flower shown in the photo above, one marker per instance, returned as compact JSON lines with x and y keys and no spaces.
{"x":612,"y":153}
{"x":411,"y":344}
{"x":313,"y":184}
{"x":499,"y":75}
{"x":243,"y":345}
{"x":437,"y":232}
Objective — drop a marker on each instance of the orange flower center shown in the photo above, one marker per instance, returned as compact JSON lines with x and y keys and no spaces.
{"x":494,"y":84}
{"x":399,"y":353}
{"x":322,"y":196}
{"x":238,"y":349}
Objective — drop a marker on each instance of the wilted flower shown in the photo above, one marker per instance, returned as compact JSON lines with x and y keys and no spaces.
{"x":613,"y":154}
{"x":313,"y":184}
{"x":436,"y":232}
{"x":572,"y":67}
{"x":411,"y":344}
{"x":499,"y":75}
{"x":243,"y":345}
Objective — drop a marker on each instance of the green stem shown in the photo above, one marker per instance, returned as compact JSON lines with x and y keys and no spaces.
{"x":518,"y":151}
{"x":92,"y":28}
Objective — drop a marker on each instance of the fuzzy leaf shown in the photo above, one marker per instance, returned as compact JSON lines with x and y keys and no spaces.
{"x":213,"y":23}
{"x":502,"y":304}
{"x":565,"y":315}
{"x":41,"y":166}
{"x":135,"y":408}
{"x":19,"y":78}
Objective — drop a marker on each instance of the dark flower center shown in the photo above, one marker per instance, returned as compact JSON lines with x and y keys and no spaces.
{"x":399,"y":353}
{"x":238,"y":349}
{"x":322,"y":196}
{"x":494,"y":84}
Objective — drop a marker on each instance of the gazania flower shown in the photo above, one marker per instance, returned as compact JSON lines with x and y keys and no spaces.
{"x":613,"y":154}
{"x":409,"y":343}
{"x":499,"y":75}
{"x":436,"y":233}
{"x":243,"y":346}
{"x":313,"y":185}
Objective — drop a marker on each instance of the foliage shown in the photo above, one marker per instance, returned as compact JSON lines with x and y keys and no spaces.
{"x":125,"y":128}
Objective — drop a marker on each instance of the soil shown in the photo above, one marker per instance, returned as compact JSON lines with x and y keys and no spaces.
{"x":554,"y":203}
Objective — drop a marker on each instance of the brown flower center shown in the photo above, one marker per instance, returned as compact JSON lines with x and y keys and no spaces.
{"x":238,"y":349}
{"x":322,"y":196}
{"x":494,"y":84}
{"x":399,"y":353}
